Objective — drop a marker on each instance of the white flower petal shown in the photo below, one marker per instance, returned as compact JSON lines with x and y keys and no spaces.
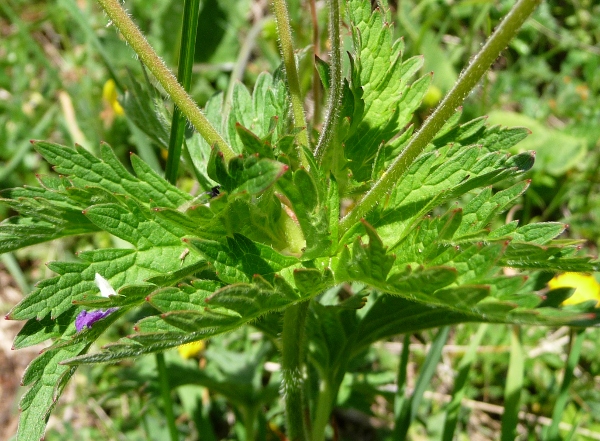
{"x":104,"y":286}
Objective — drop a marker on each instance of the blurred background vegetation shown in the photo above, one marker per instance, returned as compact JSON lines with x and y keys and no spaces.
{"x":62,"y":70}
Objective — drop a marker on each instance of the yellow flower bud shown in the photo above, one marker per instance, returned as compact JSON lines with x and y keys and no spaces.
{"x":109,"y":94}
{"x":190,"y":350}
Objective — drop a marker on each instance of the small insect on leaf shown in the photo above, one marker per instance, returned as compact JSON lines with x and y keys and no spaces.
{"x":183,"y":255}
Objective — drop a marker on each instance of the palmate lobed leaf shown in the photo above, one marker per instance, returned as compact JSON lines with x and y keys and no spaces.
{"x":241,"y":259}
{"x":40,"y":399}
{"x":46,"y":213}
{"x":429,"y":183}
{"x":84,"y":169}
{"x":56,"y":209}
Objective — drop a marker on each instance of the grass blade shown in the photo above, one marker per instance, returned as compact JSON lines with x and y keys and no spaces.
{"x":576,"y":339}
{"x":460,"y":384}
{"x":514,"y":384}
{"x":191,"y":9}
{"x":410,"y":407}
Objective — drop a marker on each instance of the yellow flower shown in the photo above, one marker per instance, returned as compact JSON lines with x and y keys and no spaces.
{"x":190,"y":350}
{"x":109,"y":94}
{"x":586,"y":287}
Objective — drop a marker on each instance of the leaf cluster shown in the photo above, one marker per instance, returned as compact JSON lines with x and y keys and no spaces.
{"x":432,"y":253}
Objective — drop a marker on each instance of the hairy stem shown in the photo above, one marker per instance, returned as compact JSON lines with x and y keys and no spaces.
{"x":316,"y":86}
{"x":191,"y":9}
{"x":335,"y":94}
{"x":284,"y":32}
{"x":165,"y":391}
{"x":165,"y":77}
{"x":466,"y":82}
{"x":292,"y":365}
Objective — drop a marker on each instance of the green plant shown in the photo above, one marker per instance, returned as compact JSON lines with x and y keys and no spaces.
{"x":420,"y":247}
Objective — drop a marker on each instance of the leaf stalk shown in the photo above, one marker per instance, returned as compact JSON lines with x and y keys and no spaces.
{"x":284,"y":31}
{"x":335,"y":95}
{"x":292,"y":364}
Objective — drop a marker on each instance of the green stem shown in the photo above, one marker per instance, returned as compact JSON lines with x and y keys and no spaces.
{"x":325,"y":403}
{"x":466,"y":82}
{"x":316,"y":50}
{"x":335,"y":94}
{"x":576,"y":339}
{"x":165,"y":77}
{"x":292,"y":365}
{"x":401,"y":400}
{"x":165,"y":392}
{"x":250,"y":415}
{"x":330,"y":386}
{"x":289,"y":61}
{"x":191,"y":9}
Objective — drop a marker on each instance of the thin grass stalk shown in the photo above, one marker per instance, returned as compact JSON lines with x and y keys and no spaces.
{"x":191,"y":9}
{"x":576,"y":339}
{"x":165,"y":392}
{"x":401,"y":400}
{"x":464,"y":368}
{"x":514,"y":384}
{"x":410,"y":408}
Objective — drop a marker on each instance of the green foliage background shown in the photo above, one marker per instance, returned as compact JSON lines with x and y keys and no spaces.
{"x":562,"y":190}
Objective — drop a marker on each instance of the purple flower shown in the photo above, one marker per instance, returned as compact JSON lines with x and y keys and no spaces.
{"x":87,"y":319}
